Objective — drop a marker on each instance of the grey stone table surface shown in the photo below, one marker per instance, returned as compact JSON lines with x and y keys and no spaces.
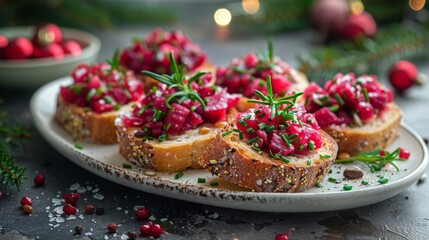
{"x":405,"y":216}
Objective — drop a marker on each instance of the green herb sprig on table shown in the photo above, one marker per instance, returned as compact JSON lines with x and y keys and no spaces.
{"x":11,"y":134}
{"x":374,"y":160}
{"x":177,"y":81}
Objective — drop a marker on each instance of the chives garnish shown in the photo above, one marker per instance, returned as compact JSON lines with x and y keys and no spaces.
{"x":269,"y":129}
{"x":240,"y":133}
{"x":364,"y":183}
{"x":78,"y":146}
{"x":311,"y":145}
{"x":262,"y":126}
{"x":99,"y":91}
{"x":383,"y":180}
{"x":261,"y":115}
{"x":108,"y":99}
{"x":347,"y":187}
{"x":141,"y":110}
{"x":339,"y":99}
{"x":281,"y":127}
{"x":319,"y":184}
{"x":365,"y":94}
{"x":167,"y":126}
{"x":256,"y":148}
{"x":162,"y":137}
{"x":285,"y":159}
{"x":226,"y":133}
{"x":251,"y":141}
{"x":334,"y":108}
{"x":90,"y":94}
{"x":178,"y":175}
{"x":331,"y":179}
{"x":249,"y":130}
{"x":272,"y":155}
{"x":214,"y":184}
{"x":325,"y":156}
{"x":283,"y":136}
{"x":77,"y":89}
{"x":156,"y":114}
{"x":247,"y":117}
{"x":193,"y":108}
{"x":309,"y":162}
{"x":242,"y":123}
{"x":126,"y":165}
{"x":310,"y":120}
{"x":116,"y":107}
{"x":301,"y":147}
{"x":201,"y":180}
{"x":330,"y":171}
{"x":257,"y":111}
{"x":133,"y":105}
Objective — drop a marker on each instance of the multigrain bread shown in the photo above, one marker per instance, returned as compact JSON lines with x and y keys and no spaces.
{"x":176,"y":153}
{"x":377,"y":134}
{"x":86,"y":125}
{"x":233,"y":160}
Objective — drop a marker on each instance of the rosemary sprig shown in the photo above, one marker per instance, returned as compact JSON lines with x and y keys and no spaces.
{"x":177,"y":81}
{"x":10,"y":135}
{"x":114,"y":62}
{"x":274,"y":102}
{"x":374,"y":160}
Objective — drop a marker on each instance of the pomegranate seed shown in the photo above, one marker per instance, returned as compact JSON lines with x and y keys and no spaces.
{"x":71,"y":198}
{"x":142,"y":214}
{"x":27,"y":209}
{"x":111,"y":228}
{"x":404,"y":154}
{"x":131,"y":235}
{"x":89,"y":209}
{"x":26,"y":201}
{"x":78,"y":230}
{"x":155,"y":230}
{"x":39,"y":180}
{"x":145,"y":228}
{"x":69,"y":210}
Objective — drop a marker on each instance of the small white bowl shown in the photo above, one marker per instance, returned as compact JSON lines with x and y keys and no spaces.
{"x":31,"y":73}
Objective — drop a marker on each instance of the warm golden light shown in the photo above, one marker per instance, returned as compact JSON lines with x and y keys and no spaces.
{"x":250,"y":6}
{"x":356,"y":6}
{"x":222,"y":17}
{"x":417,"y":5}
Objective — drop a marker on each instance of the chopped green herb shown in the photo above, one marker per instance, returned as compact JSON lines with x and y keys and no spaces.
{"x":201,"y":180}
{"x":116,"y":107}
{"x":364,"y":183}
{"x":90,"y":94}
{"x":251,"y":141}
{"x":311,"y":145}
{"x":281,"y":127}
{"x":365,"y":94}
{"x":347,"y":187}
{"x":214,"y":184}
{"x":227,"y":133}
{"x":242,"y":123}
{"x":383,"y":180}
{"x":247,"y":117}
{"x":308,"y":162}
{"x":334,"y":108}
{"x":178,"y":175}
{"x":126,"y":165}
{"x":156,"y":114}
{"x":269,"y":129}
{"x":78,"y":146}
{"x":339,"y":99}
{"x":240,"y":133}
{"x":285,"y":159}
{"x":262,"y":126}
{"x":256,"y":148}
{"x":168,"y":126}
{"x":331,"y":179}
{"x":319,"y":184}
{"x":325,"y":155}
{"x":301,"y":147}
{"x":193,"y":108}
{"x":77,"y":89}
{"x":249,"y":130}
{"x":285,"y":140}
{"x":108,"y":99}
{"x":330,"y":171}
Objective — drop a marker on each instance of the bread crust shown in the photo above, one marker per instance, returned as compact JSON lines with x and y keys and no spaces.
{"x":378,"y":134}
{"x":176,"y":153}
{"x":85,"y":125}
{"x":235,"y":161}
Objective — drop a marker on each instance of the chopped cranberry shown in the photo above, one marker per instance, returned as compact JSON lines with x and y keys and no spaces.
{"x":284,"y":236}
{"x":155,"y":230}
{"x":67,"y":94}
{"x":39,"y":180}
{"x":112,"y":228}
{"x":216,"y":107}
{"x":145,"y":228}
{"x":71,"y":198}
{"x":404,"y":154}
{"x":80,"y":72}
{"x":69,"y":210}
{"x":142,"y":214}
{"x":26,"y":201}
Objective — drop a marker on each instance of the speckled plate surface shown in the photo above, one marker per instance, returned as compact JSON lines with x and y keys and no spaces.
{"x":105,"y":161}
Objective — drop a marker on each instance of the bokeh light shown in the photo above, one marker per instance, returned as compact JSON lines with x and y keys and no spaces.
{"x":250,"y":6}
{"x":222,"y":17}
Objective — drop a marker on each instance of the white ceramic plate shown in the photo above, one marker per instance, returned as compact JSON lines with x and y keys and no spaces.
{"x":105,"y":161}
{"x":36,"y":72}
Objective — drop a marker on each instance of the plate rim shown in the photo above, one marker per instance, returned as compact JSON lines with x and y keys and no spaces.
{"x":407,"y":180}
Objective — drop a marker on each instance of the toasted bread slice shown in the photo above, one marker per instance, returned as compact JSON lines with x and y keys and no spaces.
{"x":233,"y":160}
{"x":300,"y":82}
{"x":86,"y":125}
{"x":379,"y":133}
{"x":174,"y":154}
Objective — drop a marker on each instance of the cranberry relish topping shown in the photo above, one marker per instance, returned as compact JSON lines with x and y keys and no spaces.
{"x":102,"y":87}
{"x":347,"y":100}
{"x":247,"y":74}
{"x":152,"y":54}
{"x":179,"y":104}
{"x":278,"y":126}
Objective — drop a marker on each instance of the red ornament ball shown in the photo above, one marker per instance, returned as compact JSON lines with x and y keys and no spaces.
{"x":402,"y":75}
{"x":328,"y":16}
{"x":19,"y":48}
{"x":359,"y":25}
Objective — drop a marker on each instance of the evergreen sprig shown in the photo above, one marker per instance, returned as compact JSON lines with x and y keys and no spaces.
{"x":177,"y":81}
{"x":114,"y":62}
{"x":11,"y":134}
{"x":374,"y":160}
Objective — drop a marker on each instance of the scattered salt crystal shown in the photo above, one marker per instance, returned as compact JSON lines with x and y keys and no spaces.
{"x":59,"y":210}
{"x":98,"y":196}
{"x":89,"y":188}
{"x":56,"y":201}
{"x":48,"y":207}
{"x":50,"y":224}
{"x":59,"y":219}
{"x":37,"y":197}
{"x":50,"y":215}
{"x":74,"y":186}
{"x":124,"y":237}
{"x":71,"y":217}
{"x":214,"y":215}
{"x":88,"y":233}
{"x":81,"y":190}
{"x":106,"y":237}
{"x":152,"y":218}
{"x":56,"y":225}
{"x":95,"y":190}
{"x":137,"y":207}
{"x":42,"y":193}
{"x":114,"y":235}
{"x":126,"y":211}
{"x":81,"y":216}
{"x":125,"y":197}
{"x":163,"y":219}
{"x":119,"y":208}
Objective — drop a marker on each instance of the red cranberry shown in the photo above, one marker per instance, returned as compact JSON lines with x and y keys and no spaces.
{"x":111,"y":228}
{"x":39,"y":180}
{"x":145,"y":228}
{"x":142,"y":214}
{"x":403,"y":75}
{"x":382,"y":153}
{"x":359,"y":25}
{"x":155,"y":230}
{"x":71,"y":198}
{"x":69,"y":210}
{"x":26,"y":201}
{"x":89,"y":209}
{"x":52,"y":50}
{"x":404,"y":154}
{"x":19,"y":48}
{"x":47,"y":34}
{"x":284,"y":236}
{"x":72,"y":47}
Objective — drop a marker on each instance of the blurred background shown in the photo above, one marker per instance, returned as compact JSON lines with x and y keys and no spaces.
{"x":388,"y":29}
